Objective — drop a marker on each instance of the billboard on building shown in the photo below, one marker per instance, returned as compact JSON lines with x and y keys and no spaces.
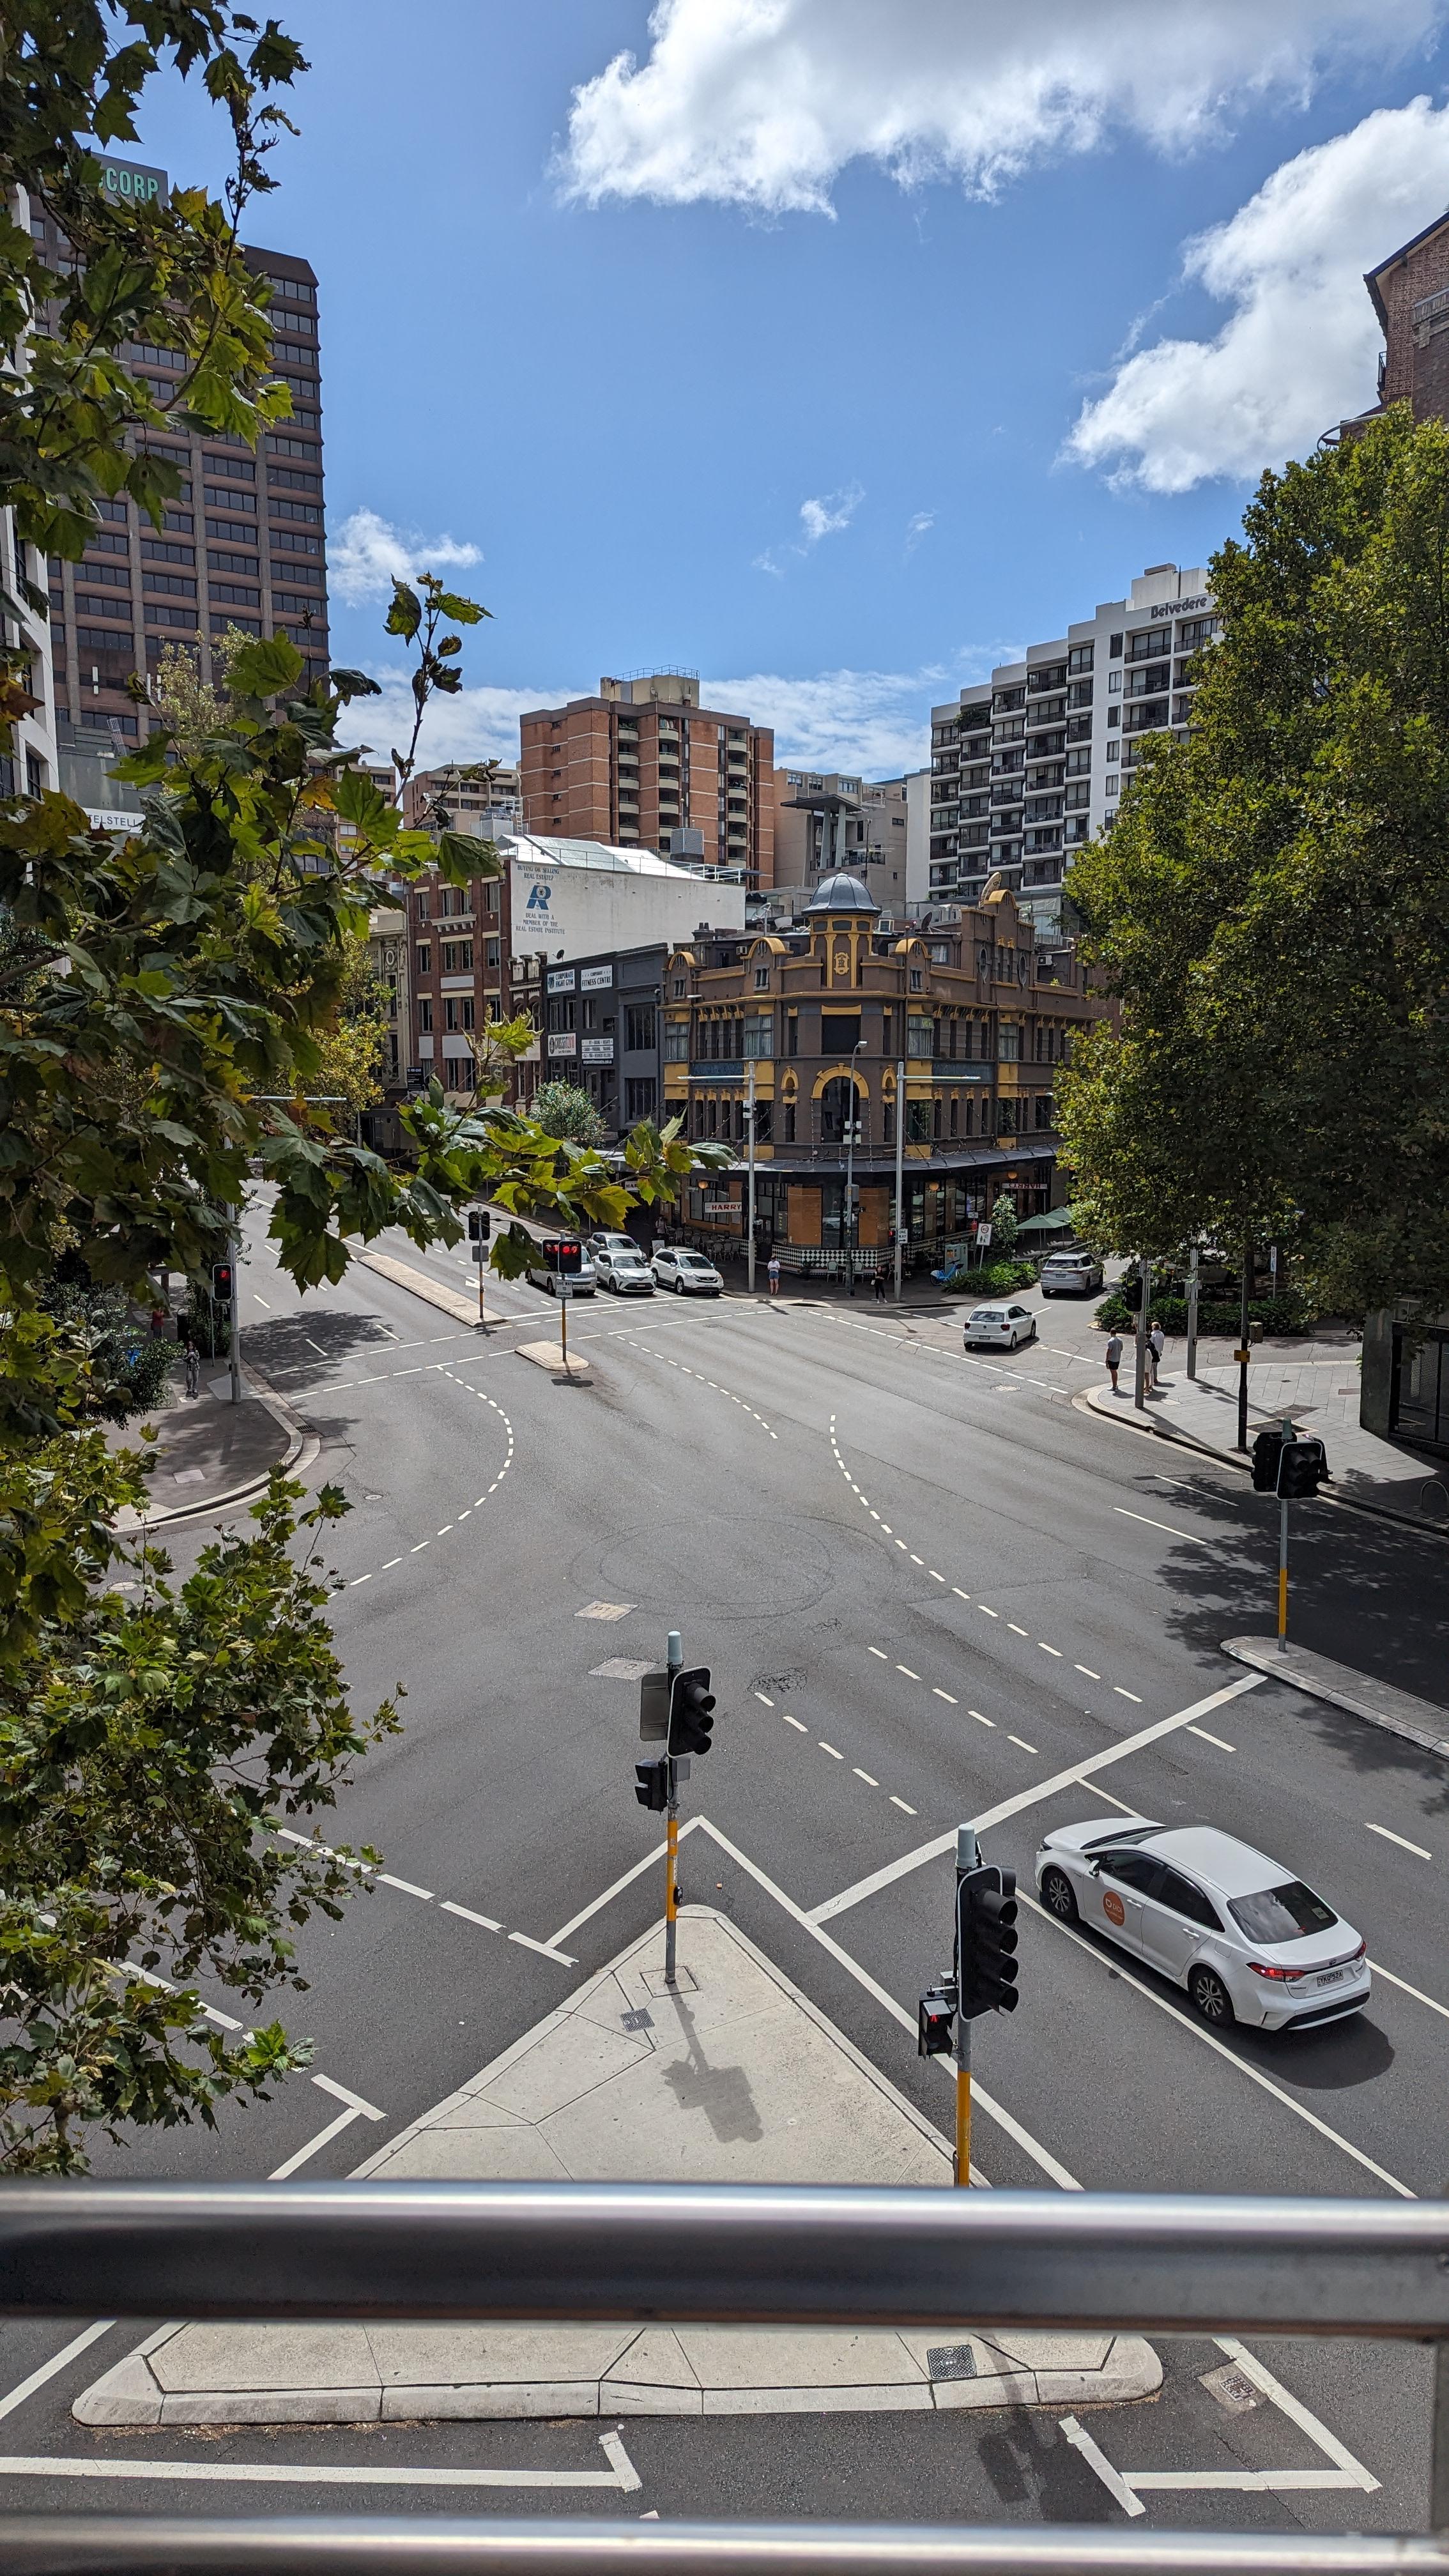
{"x":563,"y":911}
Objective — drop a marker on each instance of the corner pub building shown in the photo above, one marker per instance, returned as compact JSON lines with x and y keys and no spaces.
{"x":981,"y":1014}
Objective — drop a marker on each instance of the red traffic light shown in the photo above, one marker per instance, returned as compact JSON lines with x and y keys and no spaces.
{"x":564,"y":1255}
{"x":223,"y":1282}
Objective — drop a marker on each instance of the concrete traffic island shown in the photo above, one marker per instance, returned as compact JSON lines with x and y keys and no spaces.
{"x":550,"y":1356}
{"x":733,"y":2077}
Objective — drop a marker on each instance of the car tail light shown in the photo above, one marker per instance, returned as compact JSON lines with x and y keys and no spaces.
{"x":1280,"y":1976}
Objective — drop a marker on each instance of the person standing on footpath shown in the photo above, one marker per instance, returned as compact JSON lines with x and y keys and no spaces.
{"x":880,"y":1283}
{"x":1114,"y":1359}
{"x":772,"y":1268}
{"x":1156,"y":1345}
{"x":193,"y":1367}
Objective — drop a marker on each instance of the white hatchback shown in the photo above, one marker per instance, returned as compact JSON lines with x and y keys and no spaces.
{"x":1250,"y":1942}
{"x":999,"y":1327}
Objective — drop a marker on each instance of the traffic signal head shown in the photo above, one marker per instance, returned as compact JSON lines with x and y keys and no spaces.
{"x":651,"y":1786}
{"x":691,"y":1711}
{"x":480,"y":1225}
{"x":935,"y":2014}
{"x":564,"y":1255}
{"x":1267,"y":1449}
{"x":1302,"y":1464}
{"x":986,"y":1938}
{"x":1130,"y":1292}
{"x":223,"y":1282}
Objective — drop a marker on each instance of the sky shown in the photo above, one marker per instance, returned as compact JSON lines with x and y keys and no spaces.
{"x":833,"y":349}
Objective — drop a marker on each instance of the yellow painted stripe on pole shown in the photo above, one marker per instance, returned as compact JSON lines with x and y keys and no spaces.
{"x":963,"y":2126}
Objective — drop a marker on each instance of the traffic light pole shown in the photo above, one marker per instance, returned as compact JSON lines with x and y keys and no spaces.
{"x":674,"y":1658}
{"x":968,"y":1856}
{"x":1288,"y":1434}
{"x":1241,"y":1354}
{"x":234,"y":1338}
{"x":900,"y":1163}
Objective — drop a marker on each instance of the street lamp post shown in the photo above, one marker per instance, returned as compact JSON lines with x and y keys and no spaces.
{"x":851,"y":1124}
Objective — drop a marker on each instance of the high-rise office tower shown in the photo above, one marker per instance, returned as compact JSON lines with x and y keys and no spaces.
{"x":244,"y":543}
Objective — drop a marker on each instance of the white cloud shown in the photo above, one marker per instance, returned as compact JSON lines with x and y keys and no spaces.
{"x":821,"y":517}
{"x":876,"y":723}
{"x":917,"y":527}
{"x":1298,"y":350}
{"x":761,"y":103}
{"x":478,"y":724}
{"x":369,"y":554}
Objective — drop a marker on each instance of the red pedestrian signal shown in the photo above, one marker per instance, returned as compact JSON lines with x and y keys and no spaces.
{"x":223,"y":1282}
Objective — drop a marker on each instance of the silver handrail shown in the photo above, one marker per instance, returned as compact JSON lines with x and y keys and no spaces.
{"x":680,"y":2253}
{"x":728,"y":2254}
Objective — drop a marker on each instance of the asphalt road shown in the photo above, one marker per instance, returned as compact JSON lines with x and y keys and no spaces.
{"x":927,"y":1587}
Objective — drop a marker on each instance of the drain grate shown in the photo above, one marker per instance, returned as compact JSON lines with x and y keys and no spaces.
{"x":951,"y":2361}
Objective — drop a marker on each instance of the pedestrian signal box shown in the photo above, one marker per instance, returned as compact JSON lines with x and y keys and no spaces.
{"x":564,"y":1255}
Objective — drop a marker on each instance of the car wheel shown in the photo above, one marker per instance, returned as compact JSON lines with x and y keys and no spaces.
{"x":1057,"y":1895}
{"x":1210,"y":1999}
{"x":679,"y":1287}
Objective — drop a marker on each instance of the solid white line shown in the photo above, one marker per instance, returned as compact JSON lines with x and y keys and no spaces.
{"x":1124,"y":1514}
{"x":304,"y":2155}
{"x":68,"y":2352}
{"x":1416,"y":1848}
{"x":386,"y":1879}
{"x":1097,"y":2460}
{"x":994,"y":2110}
{"x":998,"y":1815}
{"x":1297,"y":2413}
{"x":612,"y":2446}
{"x":1254,"y":2074}
{"x":1237,"y":2481}
{"x":1406,"y":1989}
{"x":545,"y":1949}
{"x":308,"y":2473}
{"x":651,"y":1860}
{"x":354,"y":2101}
{"x":1209,"y":1738}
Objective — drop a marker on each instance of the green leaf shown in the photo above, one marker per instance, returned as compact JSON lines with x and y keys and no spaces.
{"x":463,"y":612}
{"x":347,"y":685}
{"x":405,"y":615}
{"x":261,"y":669}
{"x":460,"y":858}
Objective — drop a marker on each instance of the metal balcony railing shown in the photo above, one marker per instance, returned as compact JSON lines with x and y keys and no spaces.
{"x":691,"y":2253}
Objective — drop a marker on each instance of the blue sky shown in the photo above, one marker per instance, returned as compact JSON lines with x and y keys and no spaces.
{"x":762,"y":355}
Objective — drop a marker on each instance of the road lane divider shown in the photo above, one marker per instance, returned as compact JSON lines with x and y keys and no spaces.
{"x":425,"y":1896}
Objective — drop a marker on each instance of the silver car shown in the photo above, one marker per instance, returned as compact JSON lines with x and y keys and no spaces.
{"x":688,"y":1273}
{"x":625,"y":1273}
{"x":1070,"y":1274}
{"x":1248,"y":1940}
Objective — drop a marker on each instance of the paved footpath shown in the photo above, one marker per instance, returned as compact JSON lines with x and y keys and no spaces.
{"x":733,"y":2076}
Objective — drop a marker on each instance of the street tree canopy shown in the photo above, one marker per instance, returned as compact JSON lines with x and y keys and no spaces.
{"x":166,"y":1000}
{"x":1271,"y":908}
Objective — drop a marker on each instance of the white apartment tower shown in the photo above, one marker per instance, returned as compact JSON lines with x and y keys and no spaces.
{"x":1029,"y":765}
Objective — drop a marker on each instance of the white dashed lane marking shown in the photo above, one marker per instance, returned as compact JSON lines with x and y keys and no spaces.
{"x":424,"y":1896}
{"x":445,"y":1369}
{"x":1044,"y":1645}
{"x":666,"y":1361}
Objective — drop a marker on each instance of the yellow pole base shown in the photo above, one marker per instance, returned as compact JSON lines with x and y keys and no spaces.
{"x":963,"y":2127}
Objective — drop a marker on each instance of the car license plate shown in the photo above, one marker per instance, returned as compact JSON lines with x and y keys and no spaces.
{"x":1332,"y":1977}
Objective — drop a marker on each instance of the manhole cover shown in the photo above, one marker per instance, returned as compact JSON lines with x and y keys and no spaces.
{"x":637,"y":2020}
{"x":1232,"y":2389}
{"x":951,"y":2361}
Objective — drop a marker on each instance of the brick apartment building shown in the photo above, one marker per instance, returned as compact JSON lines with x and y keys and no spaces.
{"x":243,"y":544}
{"x":980,"y":1011}
{"x":644,"y":763}
{"x":478,"y":796}
{"x":1410,"y":293}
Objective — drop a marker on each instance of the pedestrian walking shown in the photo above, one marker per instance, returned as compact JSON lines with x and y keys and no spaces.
{"x":772,"y":1268}
{"x":880,"y":1283}
{"x":158,"y":1322}
{"x":193,"y":1367}
{"x":1156,"y":1345}
{"x":1114,"y":1359}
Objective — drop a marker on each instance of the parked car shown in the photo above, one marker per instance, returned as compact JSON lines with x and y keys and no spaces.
{"x":623,"y":1273}
{"x":999,"y":1327}
{"x":687,"y":1273}
{"x":1248,"y":1940}
{"x":1070,"y":1274}
{"x":605,"y":1241}
{"x":539,"y":1274}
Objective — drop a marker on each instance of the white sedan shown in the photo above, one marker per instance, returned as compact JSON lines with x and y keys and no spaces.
{"x":688,"y":1273}
{"x":1248,"y":1940}
{"x":1001,"y":1328}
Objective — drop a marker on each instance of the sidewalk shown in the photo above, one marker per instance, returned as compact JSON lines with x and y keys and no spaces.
{"x":1318,"y":1388}
{"x":734,"y":2077}
{"x":207,"y":1451}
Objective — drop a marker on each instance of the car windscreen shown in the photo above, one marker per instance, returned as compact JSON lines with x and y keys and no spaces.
{"x":694,"y":1261}
{"x":1286,"y":1913}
